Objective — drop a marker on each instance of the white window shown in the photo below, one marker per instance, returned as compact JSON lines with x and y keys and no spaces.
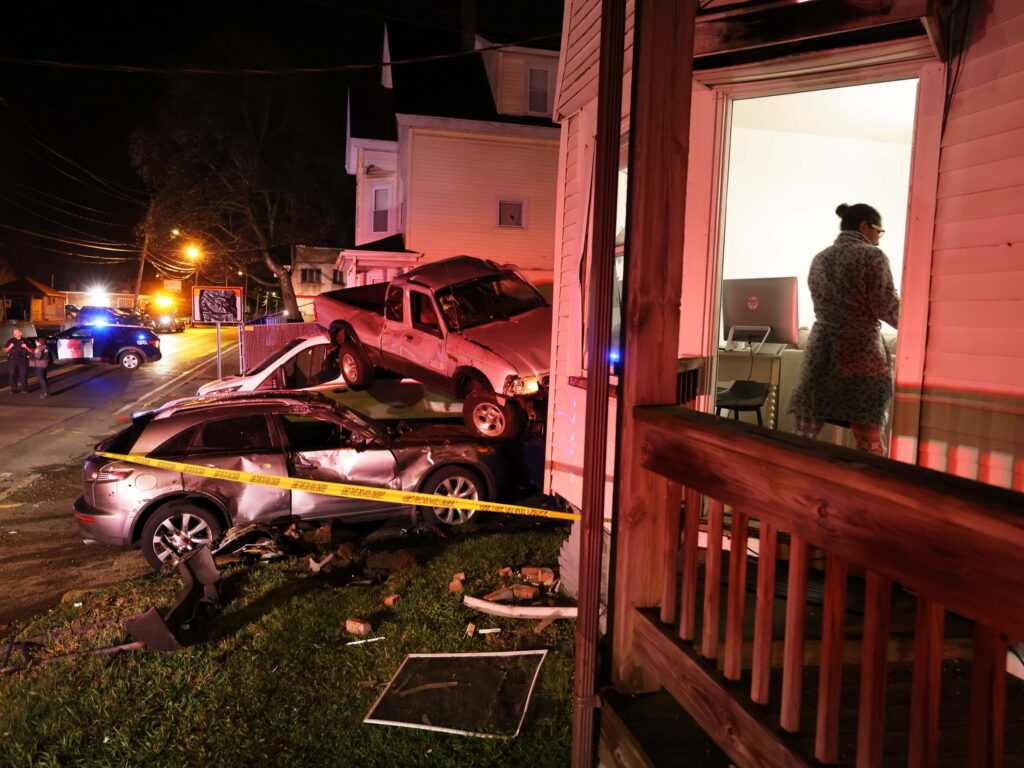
{"x":538,"y":91}
{"x":512,"y":213}
{"x":381,"y":207}
{"x":309,"y":275}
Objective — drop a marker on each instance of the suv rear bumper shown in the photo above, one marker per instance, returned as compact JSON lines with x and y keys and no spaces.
{"x":99,"y":526}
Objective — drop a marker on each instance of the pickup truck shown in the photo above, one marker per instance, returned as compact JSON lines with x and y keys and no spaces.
{"x":474,"y":329}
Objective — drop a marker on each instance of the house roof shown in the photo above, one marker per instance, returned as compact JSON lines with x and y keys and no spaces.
{"x":454,"y":86}
{"x":28,"y":285}
{"x":392,"y":243}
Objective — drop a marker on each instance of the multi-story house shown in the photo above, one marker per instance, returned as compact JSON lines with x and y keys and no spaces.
{"x":454,"y":155}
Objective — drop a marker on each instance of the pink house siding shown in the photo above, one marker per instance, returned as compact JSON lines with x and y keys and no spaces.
{"x":455,"y":181}
{"x":972,"y":417}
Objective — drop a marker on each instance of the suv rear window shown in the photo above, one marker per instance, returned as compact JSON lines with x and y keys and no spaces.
{"x":124,"y":440}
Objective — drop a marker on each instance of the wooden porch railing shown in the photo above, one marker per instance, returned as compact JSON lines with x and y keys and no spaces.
{"x":934,"y":560}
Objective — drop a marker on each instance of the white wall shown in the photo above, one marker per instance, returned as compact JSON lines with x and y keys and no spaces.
{"x":783,"y":189}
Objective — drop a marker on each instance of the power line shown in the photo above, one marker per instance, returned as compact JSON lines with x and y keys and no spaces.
{"x":253,"y":71}
{"x":65,"y":241}
{"x":90,"y":235}
{"x":21,"y":184}
{"x":65,"y":211}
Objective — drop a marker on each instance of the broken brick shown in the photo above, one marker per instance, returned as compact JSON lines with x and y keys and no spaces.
{"x":346,"y":555}
{"x":500,"y":595}
{"x":392,"y":600}
{"x":525,"y":591}
{"x":506,"y":571}
{"x":470,"y":629}
{"x":455,"y":586}
{"x":459,"y":577}
{"x":358,"y":627}
{"x":531,"y":574}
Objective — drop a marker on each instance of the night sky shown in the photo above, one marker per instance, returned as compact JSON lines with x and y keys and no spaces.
{"x":66,"y":179}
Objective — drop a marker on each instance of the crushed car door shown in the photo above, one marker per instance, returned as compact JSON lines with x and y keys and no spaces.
{"x":321,"y":449}
{"x":243,"y":443}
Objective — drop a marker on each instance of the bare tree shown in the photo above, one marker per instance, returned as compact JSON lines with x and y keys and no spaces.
{"x":239,"y":166}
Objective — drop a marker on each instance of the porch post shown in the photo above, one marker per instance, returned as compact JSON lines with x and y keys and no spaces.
{"x":658,"y":151}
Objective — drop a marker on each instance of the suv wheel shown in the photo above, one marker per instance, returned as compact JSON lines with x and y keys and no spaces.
{"x":179,"y":523}
{"x":130,"y":359}
{"x":460,"y":482}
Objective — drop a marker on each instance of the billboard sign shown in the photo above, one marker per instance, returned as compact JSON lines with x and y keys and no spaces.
{"x":216,"y":304}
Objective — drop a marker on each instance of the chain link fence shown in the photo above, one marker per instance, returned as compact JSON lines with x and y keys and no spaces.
{"x":256,"y":342}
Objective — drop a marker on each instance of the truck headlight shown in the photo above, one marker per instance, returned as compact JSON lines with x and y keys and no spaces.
{"x":526,"y":385}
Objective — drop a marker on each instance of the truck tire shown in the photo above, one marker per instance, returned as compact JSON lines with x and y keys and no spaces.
{"x":490,"y":416}
{"x":461,"y":482}
{"x":356,"y":371}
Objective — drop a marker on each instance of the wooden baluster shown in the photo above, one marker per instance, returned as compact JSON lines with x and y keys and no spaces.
{"x":988,"y":699}
{"x":712,"y":581}
{"x":761,"y":666}
{"x":670,"y":544}
{"x":736,"y":601}
{"x":691,"y":537}
{"x":793,"y":648}
{"x":871,"y":716}
{"x":926,"y":685}
{"x":826,"y":740}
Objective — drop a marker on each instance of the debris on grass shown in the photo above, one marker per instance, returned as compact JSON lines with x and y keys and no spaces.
{"x":506,"y":571}
{"x":392,"y":600}
{"x":489,"y":631}
{"x":525,"y":591}
{"x":358,"y":626}
{"x":367,"y":640}
{"x":520,"y":611}
{"x":545,"y":576}
{"x":500,"y":595}
{"x":324,"y":564}
{"x":454,"y":585}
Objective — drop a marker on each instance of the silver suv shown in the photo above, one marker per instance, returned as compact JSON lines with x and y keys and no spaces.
{"x":300,"y":435}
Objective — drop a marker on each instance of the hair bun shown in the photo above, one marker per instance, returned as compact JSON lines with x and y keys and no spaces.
{"x":841,"y":209}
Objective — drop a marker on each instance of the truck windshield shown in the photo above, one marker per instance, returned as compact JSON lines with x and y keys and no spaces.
{"x":484,"y":300}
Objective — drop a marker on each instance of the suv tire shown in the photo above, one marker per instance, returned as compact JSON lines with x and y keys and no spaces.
{"x":462,"y":482}
{"x":130,"y":359}
{"x":182,"y":518}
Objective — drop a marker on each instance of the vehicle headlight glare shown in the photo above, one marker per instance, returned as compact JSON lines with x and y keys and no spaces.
{"x":527,"y":385}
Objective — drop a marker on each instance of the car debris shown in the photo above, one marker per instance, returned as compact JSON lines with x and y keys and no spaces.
{"x":253,"y":542}
{"x":489,"y":631}
{"x":520,"y":611}
{"x":322,"y":565}
{"x":152,"y":629}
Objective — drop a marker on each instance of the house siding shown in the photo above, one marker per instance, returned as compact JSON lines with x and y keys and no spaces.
{"x":452,"y":205}
{"x":582,"y":44}
{"x":972,"y":413}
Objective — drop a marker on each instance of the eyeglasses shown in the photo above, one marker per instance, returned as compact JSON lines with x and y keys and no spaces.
{"x":877,"y":229}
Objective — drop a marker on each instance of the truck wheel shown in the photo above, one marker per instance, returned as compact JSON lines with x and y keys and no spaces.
{"x":460,"y":482}
{"x":177,"y":522}
{"x":491,"y":417}
{"x":356,"y":371}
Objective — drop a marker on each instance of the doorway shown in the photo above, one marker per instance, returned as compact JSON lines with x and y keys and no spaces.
{"x":788,"y":161}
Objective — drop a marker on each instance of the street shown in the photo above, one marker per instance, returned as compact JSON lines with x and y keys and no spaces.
{"x":41,"y":555}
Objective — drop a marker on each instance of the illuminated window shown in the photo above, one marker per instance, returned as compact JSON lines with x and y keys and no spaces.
{"x":538,"y":91}
{"x":381,"y":207}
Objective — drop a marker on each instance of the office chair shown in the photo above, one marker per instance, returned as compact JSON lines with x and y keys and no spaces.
{"x":743,"y":395}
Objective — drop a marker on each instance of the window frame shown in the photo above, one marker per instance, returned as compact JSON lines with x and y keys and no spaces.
{"x":528,"y":85}
{"x":415,"y":295}
{"x":304,"y":272}
{"x":522,"y":212}
{"x":374,"y":210}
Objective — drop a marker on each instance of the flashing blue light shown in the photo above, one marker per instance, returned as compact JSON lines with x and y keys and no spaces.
{"x":142,"y":337}
{"x":98,"y":323}
{"x":614,"y":356}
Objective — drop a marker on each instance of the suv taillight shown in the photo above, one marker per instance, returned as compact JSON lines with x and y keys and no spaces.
{"x":112,"y":474}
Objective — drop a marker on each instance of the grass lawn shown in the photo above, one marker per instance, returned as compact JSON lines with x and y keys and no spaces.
{"x":272,"y":683}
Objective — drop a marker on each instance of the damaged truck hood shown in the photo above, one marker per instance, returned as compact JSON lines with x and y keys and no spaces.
{"x":524,"y":341}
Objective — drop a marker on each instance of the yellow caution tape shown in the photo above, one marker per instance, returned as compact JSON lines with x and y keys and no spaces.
{"x":344,"y":490}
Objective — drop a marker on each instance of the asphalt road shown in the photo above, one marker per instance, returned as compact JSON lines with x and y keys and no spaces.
{"x":43,"y":444}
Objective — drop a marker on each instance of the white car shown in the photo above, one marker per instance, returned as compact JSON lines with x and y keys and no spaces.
{"x":308,"y":362}
{"x":311,"y":363}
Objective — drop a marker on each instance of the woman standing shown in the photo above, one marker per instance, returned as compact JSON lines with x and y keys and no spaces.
{"x":846,"y":377}
{"x":39,"y":362}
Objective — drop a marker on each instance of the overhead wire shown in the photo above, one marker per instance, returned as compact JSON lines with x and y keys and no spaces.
{"x":50,"y":195}
{"x":38,"y":215}
{"x":260,"y":71}
{"x":78,"y":243}
{"x":66,"y":212}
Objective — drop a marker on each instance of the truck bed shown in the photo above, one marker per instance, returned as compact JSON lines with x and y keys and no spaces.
{"x":368,"y":297}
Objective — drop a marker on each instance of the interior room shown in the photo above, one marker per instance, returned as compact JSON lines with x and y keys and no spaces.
{"x":791,"y":160}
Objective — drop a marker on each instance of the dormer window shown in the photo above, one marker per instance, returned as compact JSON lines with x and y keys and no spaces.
{"x":381,"y":209}
{"x":538,"y":91}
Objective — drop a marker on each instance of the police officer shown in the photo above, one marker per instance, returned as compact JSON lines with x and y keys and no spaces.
{"x":18,"y":352}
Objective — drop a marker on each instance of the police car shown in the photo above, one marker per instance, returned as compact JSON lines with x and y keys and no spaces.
{"x":126,"y":345}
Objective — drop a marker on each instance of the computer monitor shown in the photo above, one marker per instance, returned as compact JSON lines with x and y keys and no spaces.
{"x":760,"y":309}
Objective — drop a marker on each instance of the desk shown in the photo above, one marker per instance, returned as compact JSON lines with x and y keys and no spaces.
{"x":766,"y":368}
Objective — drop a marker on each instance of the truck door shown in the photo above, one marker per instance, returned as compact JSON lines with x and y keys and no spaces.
{"x":422,"y":343}
{"x":392,"y":333}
